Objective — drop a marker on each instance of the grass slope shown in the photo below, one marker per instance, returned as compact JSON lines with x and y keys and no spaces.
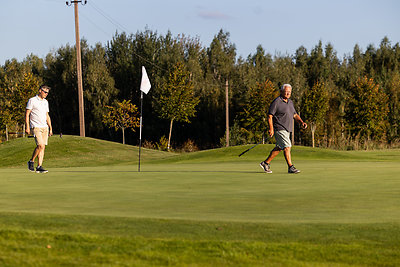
{"x":75,"y":151}
{"x":208,"y":208}
{"x":260,"y":152}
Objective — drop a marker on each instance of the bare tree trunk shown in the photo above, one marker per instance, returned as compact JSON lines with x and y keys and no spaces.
{"x":170,"y":134}
{"x":313,"y":128}
{"x":263,"y":135}
{"x":293,"y":133}
{"x":6,"y":133}
{"x":123,"y":135}
{"x":16,"y":130}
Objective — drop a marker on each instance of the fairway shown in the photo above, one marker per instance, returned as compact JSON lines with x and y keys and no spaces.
{"x":335,"y":190}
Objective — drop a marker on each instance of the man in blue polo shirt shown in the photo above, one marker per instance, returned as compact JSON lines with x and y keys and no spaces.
{"x":280,"y":120}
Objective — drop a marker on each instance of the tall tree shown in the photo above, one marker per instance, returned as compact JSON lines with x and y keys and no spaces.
{"x":221,"y":56}
{"x":314,"y":107}
{"x":220,"y":65}
{"x":99,"y":88}
{"x":256,"y":111}
{"x":177,"y":101}
{"x":17,"y":85}
{"x":285,"y":71}
{"x":393,"y":89}
{"x":22,"y":91}
{"x":367,"y":109}
{"x":60,"y":75}
{"x":121,"y":58}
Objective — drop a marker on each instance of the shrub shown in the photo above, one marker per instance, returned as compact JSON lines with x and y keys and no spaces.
{"x":148,"y":144}
{"x":190,"y":146}
{"x":163,"y":144}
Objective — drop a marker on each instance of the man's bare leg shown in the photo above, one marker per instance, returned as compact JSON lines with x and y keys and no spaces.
{"x":288,"y":156}
{"x":35,"y":153}
{"x":41,"y":154}
{"x":273,"y":154}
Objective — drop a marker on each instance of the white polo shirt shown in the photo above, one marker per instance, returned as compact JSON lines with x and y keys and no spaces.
{"x":39,"y":108}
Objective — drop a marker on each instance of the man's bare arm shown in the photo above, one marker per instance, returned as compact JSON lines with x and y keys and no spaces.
{"x":299,"y":120}
{"x":48,"y":120}
{"x":27,"y":124}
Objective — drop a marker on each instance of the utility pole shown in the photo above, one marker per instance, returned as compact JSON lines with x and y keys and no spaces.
{"x":227,"y":111}
{"x":79,"y":66}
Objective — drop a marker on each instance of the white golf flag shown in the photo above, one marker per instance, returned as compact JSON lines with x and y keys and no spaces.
{"x":145,"y":85}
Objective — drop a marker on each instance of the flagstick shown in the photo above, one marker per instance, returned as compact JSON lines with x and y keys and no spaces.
{"x":140,"y":131}
{"x":144,"y":87}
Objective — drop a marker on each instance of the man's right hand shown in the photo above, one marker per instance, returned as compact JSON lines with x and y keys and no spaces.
{"x":27,"y":131}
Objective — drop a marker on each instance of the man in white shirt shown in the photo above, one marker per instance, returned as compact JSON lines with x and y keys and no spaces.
{"x":38,"y":121}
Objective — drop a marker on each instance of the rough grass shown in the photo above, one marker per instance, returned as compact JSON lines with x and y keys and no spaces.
{"x":209,"y":208}
{"x":49,"y":240}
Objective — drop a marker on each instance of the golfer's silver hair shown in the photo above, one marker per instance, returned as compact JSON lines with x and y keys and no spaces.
{"x":286,"y":85}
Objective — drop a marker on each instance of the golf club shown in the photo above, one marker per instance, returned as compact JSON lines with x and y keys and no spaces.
{"x":247,"y":150}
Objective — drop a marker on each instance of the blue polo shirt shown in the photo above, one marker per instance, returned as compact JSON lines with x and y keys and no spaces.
{"x":282,"y":114}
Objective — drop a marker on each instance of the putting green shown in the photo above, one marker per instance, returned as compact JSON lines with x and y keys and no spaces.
{"x":231,"y":190}
{"x":343,"y":209}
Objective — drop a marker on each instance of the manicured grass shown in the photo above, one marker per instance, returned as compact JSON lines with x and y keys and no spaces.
{"x":74,"y":151}
{"x":344,"y":192}
{"x":209,"y":208}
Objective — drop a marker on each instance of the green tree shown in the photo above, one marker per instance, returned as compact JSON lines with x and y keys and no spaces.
{"x":60,"y":75}
{"x":314,"y":107}
{"x":177,"y":101}
{"x":256,"y":111}
{"x":285,"y":71}
{"x":5,"y":110}
{"x":393,"y":89}
{"x":249,"y":75}
{"x":124,"y":115}
{"x":15,"y":97}
{"x":120,"y":60}
{"x":367,"y":108}
{"x":24,"y":90}
{"x":18,"y":82}
{"x":219,"y":66}
{"x":221,"y":56}
{"x":99,"y":88}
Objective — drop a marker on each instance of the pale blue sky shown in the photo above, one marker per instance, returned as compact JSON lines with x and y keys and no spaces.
{"x":40,"y":26}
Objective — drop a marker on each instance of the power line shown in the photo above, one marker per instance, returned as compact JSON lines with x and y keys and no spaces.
{"x":120,"y":27}
{"x":124,"y":29}
{"x":94,"y":24}
{"x":108,"y":17}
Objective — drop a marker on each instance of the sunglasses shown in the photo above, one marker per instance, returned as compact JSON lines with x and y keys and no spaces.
{"x":46,"y":92}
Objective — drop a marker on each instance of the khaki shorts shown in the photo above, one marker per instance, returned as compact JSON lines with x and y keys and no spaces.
{"x":41,"y":135}
{"x":282,"y":139}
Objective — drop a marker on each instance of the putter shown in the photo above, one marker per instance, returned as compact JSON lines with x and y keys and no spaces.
{"x":247,"y":150}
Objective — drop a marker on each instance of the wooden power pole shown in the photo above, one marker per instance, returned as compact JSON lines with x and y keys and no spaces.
{"x":79,"y":66}
{"x":227,"y":111}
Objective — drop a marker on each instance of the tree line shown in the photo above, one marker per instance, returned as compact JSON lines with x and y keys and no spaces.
{"x":350,"y":102}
